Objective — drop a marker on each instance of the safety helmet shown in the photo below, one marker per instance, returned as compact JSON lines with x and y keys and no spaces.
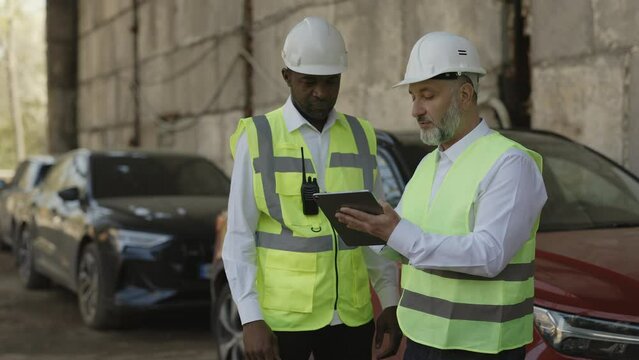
{"x":315,"y":47}
{"x":442,"y":55}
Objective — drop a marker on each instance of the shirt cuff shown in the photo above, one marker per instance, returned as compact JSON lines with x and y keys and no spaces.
{"x":404,"y":236}
{"x":388,"y":296}
{"x":249,"y":311}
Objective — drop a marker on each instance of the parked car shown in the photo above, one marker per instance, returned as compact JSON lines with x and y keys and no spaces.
{"x":587,"y":266}
{"x":16,"y":195}
{"x":125,"y":231}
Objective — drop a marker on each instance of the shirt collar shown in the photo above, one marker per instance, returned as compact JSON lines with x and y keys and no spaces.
{"x":453,"y":152}
{"x":294,"y":120}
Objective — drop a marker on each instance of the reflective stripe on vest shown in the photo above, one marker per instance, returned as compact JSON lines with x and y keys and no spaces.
{"x":363,"y":159}
{"x":265,"y":165}
{"x":512,"y":272}
{"x":456,"y":311}
{"x":288,"y":242}
{"x":452,"y":310}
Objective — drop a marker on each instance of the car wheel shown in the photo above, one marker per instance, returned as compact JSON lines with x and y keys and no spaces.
{"x":4,"y":241}
{"x":95,"y":299}
{"x":29,"y":276}
{"x":227,"y":327}
{"x":3,"y":245}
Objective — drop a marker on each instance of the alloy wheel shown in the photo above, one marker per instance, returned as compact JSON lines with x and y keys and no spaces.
{"x":229,"y":329}
{"x":24,"y":255}
{"x":88,"y":282}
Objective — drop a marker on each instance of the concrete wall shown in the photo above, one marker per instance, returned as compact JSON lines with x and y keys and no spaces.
{"x":585,"y":73}
{"x":185,"y":54}
{"x":189,"y":50}
{"x":584,"y":57}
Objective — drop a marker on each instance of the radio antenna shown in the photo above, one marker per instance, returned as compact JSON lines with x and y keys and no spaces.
{"x":303,"y":165}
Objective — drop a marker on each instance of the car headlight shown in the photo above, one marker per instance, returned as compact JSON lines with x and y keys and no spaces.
{"x":588,"y":337}
{"x":138,"y":239}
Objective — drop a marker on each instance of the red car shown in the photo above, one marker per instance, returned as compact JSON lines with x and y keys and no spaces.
{"x":587,"y":266}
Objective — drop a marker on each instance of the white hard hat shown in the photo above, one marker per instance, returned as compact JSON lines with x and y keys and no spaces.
{"x":315,"y":47}
{"x":440,"y":54}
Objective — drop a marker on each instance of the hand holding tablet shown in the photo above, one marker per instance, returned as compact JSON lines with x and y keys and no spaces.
{"x":363,"y":200}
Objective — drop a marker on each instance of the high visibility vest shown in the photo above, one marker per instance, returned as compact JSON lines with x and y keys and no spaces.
{"x":452,"y":310}
{"x":304,"y":271}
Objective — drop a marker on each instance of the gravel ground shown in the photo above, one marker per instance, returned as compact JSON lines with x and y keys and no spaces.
{"x":46,"y":324}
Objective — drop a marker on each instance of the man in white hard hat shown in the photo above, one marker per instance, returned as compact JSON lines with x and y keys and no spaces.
{"x":298,"y":287}
{"x":467,"y":220}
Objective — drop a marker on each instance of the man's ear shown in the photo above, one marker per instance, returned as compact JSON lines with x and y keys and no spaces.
{"x":466,"y":94}
{"x":286,"y":75}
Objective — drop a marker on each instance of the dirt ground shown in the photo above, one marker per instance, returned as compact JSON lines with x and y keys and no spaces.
{"x":46,"y":324}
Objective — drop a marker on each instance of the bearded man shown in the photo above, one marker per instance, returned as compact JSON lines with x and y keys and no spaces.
{"x":467,"y":220}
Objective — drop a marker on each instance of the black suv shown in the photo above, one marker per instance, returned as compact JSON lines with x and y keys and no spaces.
{"x":124,"y":230}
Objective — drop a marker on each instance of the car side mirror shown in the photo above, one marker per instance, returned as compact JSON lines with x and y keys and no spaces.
{"x":70,"y":194}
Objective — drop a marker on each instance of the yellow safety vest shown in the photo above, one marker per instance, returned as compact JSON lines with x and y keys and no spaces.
{"x":451,"y":310}
{"x":304,"y":271}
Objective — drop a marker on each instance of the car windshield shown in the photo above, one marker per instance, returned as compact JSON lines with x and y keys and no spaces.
{"x":155,"y":175}
{"x":585,"y":190}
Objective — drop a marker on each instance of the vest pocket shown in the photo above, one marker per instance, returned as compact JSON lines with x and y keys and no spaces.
{"x":289,"y":281}
{"x":288,"y":188}
{"x":290,"y":149}
{"x":288,"y":183}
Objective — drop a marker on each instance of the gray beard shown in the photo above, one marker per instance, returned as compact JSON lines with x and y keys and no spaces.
{"x":441,"y":133}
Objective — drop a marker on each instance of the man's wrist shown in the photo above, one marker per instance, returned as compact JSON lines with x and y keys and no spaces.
{"x":395,"y":235}
{"x":388,"y":296}
{"x":249,"y":311}
{"x":253,"y":323}
{"x":403,"y":237}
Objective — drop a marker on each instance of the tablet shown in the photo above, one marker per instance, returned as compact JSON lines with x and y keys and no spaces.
{"x":362,"y":200}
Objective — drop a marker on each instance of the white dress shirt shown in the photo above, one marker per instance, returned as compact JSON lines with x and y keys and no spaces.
{"x":509,"y":200}
{"x":239,"y":251}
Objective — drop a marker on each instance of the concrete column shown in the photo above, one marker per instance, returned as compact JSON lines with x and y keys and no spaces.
{"x":62,"y":55}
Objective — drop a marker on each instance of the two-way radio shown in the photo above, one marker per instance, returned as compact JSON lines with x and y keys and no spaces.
{"x":309,"y":187}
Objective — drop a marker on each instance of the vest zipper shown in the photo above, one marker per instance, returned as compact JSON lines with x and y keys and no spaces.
{"x":335,"y":243}
{"x":335,"y":246}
